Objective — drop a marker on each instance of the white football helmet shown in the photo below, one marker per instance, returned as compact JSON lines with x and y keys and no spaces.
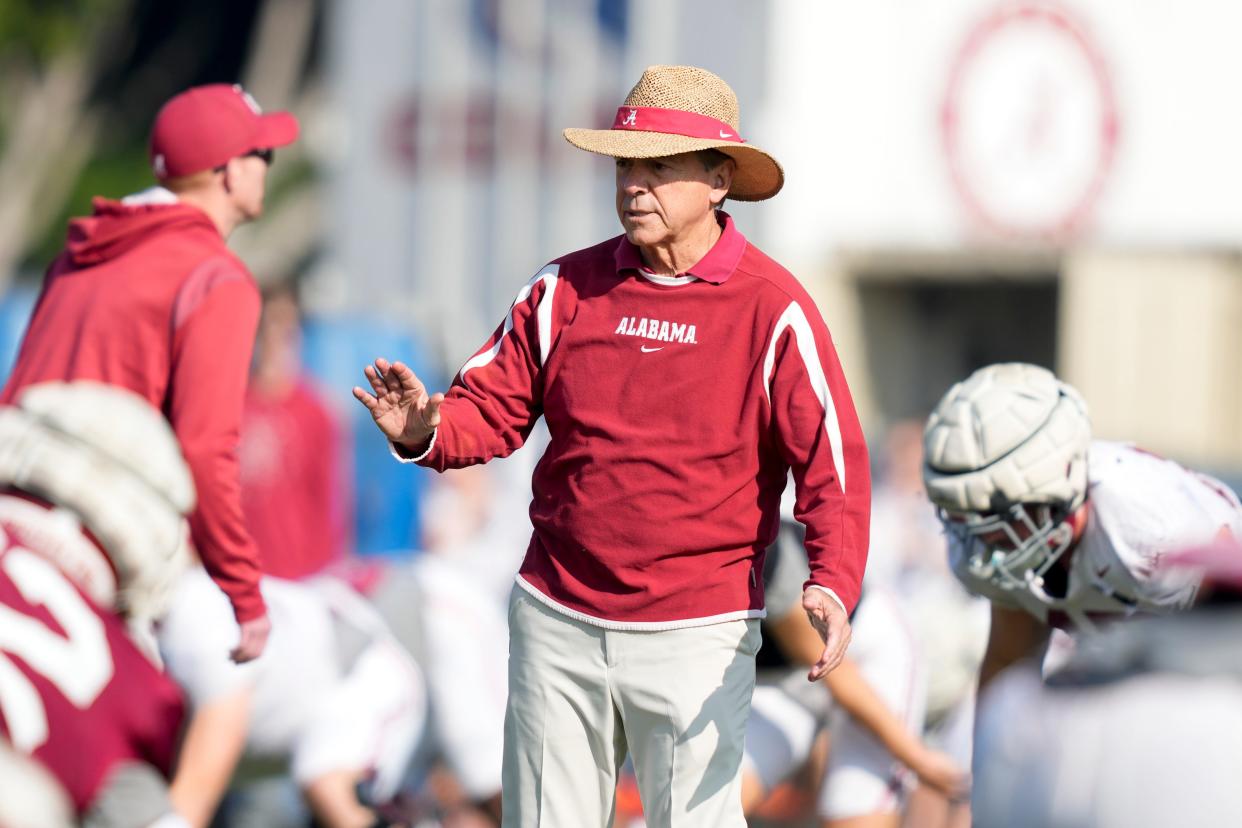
{"x":1005,"y":463}
{"x":111,"y":462}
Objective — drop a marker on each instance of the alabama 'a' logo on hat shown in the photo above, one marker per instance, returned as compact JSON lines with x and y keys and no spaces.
{"x":159,"y":166}
{"x":250,"y":101}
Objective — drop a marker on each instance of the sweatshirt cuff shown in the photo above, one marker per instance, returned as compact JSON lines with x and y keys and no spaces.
{"x":831,"y":595}
{"x":404,"y":455}
{"x":248,"y":605}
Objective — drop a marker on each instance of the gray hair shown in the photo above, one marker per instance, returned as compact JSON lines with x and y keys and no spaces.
{"x":711,"y":159}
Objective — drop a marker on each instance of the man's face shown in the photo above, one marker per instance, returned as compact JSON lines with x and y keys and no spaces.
{"x":279,"y":339}
{"x":659,"y":198}
{"x":247,"y":184}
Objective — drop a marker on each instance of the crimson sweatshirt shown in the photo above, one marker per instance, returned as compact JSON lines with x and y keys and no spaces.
{"x":299,"y":527}
{"x":676,"y":407}
{"x":146,"y":296}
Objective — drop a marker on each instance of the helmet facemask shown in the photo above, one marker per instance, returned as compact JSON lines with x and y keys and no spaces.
{"x":1014,"y":548}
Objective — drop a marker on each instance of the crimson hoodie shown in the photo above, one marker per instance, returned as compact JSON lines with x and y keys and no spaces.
{"x":146,"y":296}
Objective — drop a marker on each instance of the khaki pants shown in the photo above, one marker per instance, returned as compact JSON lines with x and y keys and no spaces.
{"x":580,"y":696}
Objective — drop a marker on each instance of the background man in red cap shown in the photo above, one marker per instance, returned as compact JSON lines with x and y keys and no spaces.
{"x":682,"y":374}
{"x":147,"y":296}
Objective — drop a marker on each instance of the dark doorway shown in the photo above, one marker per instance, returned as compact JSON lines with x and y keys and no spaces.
{"x":923,"y":334}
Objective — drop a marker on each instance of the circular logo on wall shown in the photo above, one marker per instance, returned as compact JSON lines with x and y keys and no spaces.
{"x":1029,"y":123}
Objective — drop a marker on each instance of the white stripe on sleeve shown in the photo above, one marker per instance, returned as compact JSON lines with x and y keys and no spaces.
{"x":795,"y":319}
{"x":543,"y":320}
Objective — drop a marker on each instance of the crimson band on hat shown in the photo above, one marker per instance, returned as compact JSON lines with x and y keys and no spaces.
{"x":675,"y":122}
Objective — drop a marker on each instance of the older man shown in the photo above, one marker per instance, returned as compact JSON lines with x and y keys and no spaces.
{"x":146,"y":296}
{"x":682,"y":374}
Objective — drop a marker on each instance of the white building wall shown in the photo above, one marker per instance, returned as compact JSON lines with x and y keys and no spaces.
{"x":857,"y":91}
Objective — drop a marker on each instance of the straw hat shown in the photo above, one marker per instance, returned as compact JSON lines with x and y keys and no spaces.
{"x":675,"y":109}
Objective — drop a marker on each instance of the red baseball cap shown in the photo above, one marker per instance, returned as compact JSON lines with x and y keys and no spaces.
{"x":203,"y":127}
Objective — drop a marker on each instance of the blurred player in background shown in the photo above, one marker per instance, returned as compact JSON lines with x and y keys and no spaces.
{"x":1139,"y":729}
{"x":873,"y":704}
{"x":334,"y":702}
{"x":682,"y":374}
{"x":296,"y":489}
{"x":448,"y":608}
{"x":92,"y":537}
{"x":950,"y":625}
{"x":1058,"y":530}
{"x":147,"y":296}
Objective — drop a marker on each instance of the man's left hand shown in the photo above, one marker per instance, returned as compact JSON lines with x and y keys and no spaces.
{"x":833,"y":625}
{"x":252,"y":640}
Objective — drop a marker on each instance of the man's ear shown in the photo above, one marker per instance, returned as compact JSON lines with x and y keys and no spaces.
{"x":228,"y":171}
{"x":722,"y":177}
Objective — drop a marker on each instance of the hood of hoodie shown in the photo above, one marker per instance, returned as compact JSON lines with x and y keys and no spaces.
{"x":116,"y":227}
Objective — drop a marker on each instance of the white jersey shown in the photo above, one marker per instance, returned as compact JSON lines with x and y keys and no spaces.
{"x":1141,"y":507}
{"x":460,"y":637}
{"x":298,"y":667}
{"x":862,"y":777}
{"x":332,"y":690}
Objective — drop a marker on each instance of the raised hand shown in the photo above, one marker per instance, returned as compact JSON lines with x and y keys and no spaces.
{"x":399,"y":404}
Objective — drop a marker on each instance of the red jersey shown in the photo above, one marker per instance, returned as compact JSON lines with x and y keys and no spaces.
{"x":148,"y":297}
{"x":75,"y":692}
{"x":676,"y":408}
{"x":294,"y":493}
